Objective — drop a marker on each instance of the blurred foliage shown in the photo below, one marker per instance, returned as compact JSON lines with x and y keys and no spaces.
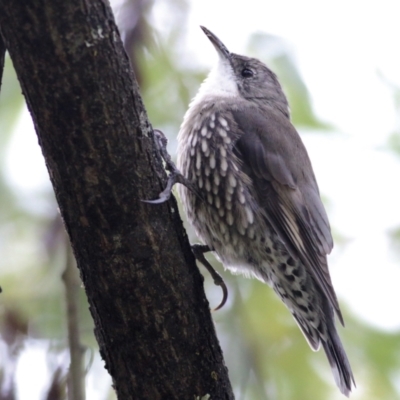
{"x":393,"y":146}
{"x":394,"y":139}
{"x":265,"y":351}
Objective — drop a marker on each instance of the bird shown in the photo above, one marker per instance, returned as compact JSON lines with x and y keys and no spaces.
{"x":254,"y":199}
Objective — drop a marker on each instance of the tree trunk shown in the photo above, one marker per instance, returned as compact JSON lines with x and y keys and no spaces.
{"x":146,"y":295}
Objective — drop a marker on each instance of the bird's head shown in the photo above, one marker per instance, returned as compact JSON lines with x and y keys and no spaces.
{"x":241,"y":76}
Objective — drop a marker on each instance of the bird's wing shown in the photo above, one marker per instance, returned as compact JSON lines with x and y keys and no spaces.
{"x":274,"y":157}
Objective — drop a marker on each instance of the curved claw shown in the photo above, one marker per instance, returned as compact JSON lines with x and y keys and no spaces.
{"x":224,"y":294}
{"x":165,"y":195}
{"x":198,"y":251}
{"x":156,"y":201}
{"x":162,"y":199}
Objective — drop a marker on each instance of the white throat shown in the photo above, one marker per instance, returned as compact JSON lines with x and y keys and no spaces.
{"x":220,"y":82}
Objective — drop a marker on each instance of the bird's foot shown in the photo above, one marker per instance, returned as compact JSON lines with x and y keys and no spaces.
{"x":198,"y":251}
{"x":175,"y":175}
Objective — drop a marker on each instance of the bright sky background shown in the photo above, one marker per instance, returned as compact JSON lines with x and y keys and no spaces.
{"x":343,"y":48}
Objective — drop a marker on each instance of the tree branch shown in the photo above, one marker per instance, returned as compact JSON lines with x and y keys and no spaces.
{"x":146,"y":295}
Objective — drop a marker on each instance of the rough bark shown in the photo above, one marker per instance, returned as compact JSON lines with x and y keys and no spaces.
{"x":146,"y":295}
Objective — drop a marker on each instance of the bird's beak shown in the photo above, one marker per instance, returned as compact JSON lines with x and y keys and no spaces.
{"x":219,"y":46}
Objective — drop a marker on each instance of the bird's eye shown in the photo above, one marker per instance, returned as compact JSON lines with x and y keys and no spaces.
{"x":247,"y":73}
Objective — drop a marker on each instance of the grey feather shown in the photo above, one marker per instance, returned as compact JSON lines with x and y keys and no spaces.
{"x":276,"y":160}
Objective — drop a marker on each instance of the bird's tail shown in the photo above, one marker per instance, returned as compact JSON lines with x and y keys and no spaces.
{"x":333,"y":347}
{"x":338,"y":360}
